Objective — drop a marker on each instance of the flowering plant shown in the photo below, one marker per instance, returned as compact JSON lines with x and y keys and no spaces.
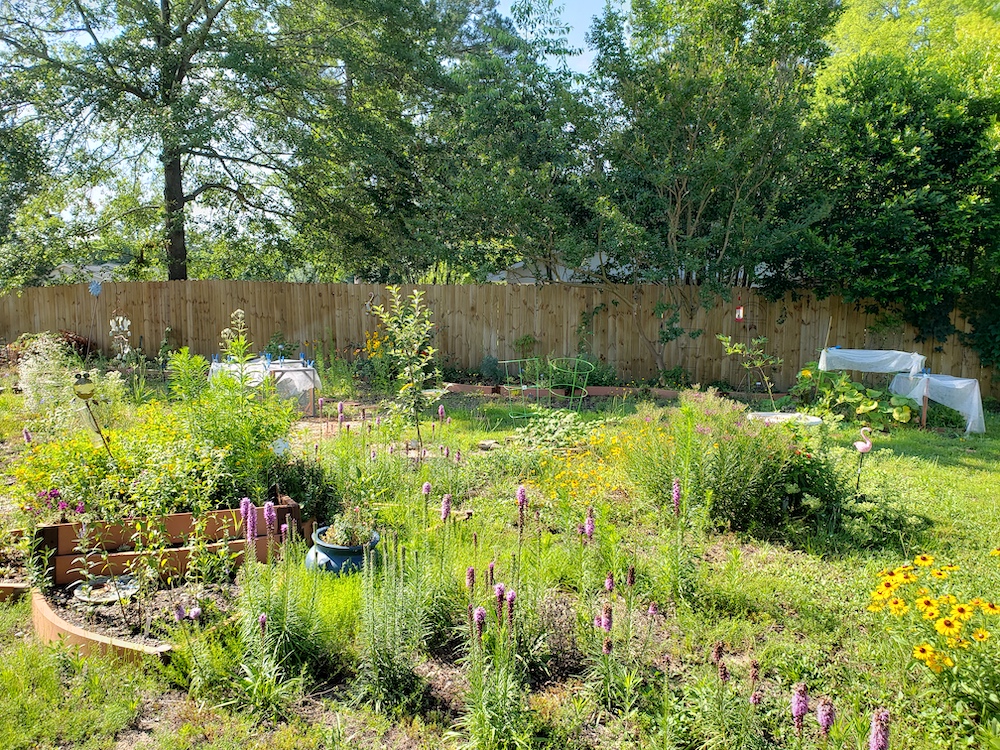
{"x":351,"y":528}
{"x":949,"y":633}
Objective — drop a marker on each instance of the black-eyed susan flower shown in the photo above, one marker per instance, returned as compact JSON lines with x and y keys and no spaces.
{"x":950,"y":568}
{"x":962,"y":612}
{"x":876,"y":606}
{"x":995,"y":552}
{"x":938,"y":573}
{"x":991,"y":608}
{"x":980,"y":635}
{"x":932,"y":613}
{"x":924,"y":561}
{"x":923,"y":652}
{"x":925,"y":603}
{"x":948,"y":626}
{"x":898,"y":606}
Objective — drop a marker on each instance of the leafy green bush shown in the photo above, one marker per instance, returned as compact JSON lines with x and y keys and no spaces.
{"x":833,"y":395}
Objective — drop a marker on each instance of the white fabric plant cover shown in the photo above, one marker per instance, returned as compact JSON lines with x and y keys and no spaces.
{"x":292,"y":377}
{"x":961,"y":394}
{"x":871,"y":360}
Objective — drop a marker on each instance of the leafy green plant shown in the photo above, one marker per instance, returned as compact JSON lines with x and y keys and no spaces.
{"x":188,"y":374}
{"x":834,"y":396}
{"x":754,"y":358}
{"x":280,"y":347}
{"x":408,"y":328}
{"x":552,"y":428}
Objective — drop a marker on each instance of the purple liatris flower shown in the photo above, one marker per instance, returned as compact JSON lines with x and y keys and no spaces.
{"x":800,"y":705}
{"x":284,"y":532}
{"x":825,"y":715}
{"x":245,"y":504}
{"x":26,"y":435}
{"x":340,"y":418}
{"x":445,"y":507}
{"x":79,"y":507}
{"x":448,"y":421}
{"x":630,"y":576}
{"x":262,"y":621}
{"x":676,"y":496}
{"x":250,"y":526}
{"x":374,"y":455}
{"x":522,"y":504}
{"x":195,"y":613}
{"x":653,"y":609}
{"x":607,"y":620}
{"x":588,"y":524}
{"x":606,"y":647}
{"x":879,"y":737}
{"x":479,"y":619}
{"x":426,"y":489}
{"x":500,"y":590}
{"x":723,"y":671}
{"x":270,"y":518}
{"x":609,"y":581}
{"x":489,"y":573}
{"x":470,"y":578}
{"x":441,"y":411}
{"x":447,"y":452}
{"x":756,"y":698}
{"x":754,"y":673}
{"x":458,"y":456}
{"x":340,"y":408}
{"x":441,"y":449}
{"x":179,"y":613}
{"x":511,"y":598}
{"x":718,"y":648}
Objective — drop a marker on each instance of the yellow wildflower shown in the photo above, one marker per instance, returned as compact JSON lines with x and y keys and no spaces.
{"x":932,"y":613}
{"x":923,"y":652}
{"x":991,"y":608}
{"x":942,"y":574}
{"x":995,"y":552}
{"x":897,"y":606}
{"x":924,"y":561}
{"x":925,"y":603}
{"x":948,"y":626}
{"x":980,"y":635}
{"x":962,"y":612}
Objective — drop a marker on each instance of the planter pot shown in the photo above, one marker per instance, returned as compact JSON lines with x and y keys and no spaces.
{"x":335,"y":558}
{"x":222,"y":529}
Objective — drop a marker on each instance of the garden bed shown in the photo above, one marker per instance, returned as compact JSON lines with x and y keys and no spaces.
{"x":114,"y":545}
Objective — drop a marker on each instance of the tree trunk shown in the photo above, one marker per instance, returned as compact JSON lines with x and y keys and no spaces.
{"x":173,"y":224}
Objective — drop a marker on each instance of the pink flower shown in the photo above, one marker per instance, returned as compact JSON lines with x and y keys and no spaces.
{"x":470,"y":578}
{"x":825,"y":715}
{"x":879,"y":737}
{"x":445,"y":507}
{"x":800,"y":705}
{"x":426,"y":489}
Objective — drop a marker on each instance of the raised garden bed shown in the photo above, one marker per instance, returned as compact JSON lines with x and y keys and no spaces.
{"x":223,"y":528}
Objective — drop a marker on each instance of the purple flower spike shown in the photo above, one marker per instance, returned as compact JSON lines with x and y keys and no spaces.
{"x":195,"y":613}
{"x":26,"y":435}
{"x":879,"y":737}
{"x":440,"y":411}
{"x":426,"y":489}
{"x":245,"y":504}
{"x":470,"y":578}
{"x":447,"y":451}
{"x":445,"y":507}
{"x":800,"y":705}
{"x":630,"y":576}
{"x":262,"y":621}
{"x":609,"y":582}
{"x":373,"y":454}
{"x":340,"y":408}
{"x":653,"y":609}
{"x":250,"y":526}
{"x":588,"y":526}
{"x":448,"y":421}
{"x":511,"y":598}
{"x":825,"y":715}
{"x":479,"y":618}
{"x":270,"y":518}
{"x":284,"y":532}
{"x":723,"y":672}
{"x":607,"y":621}
{"x":179,"y":613}
{"x":676,"y":496}
{"x":490,"y":573}
{"x":458,"y":456}
{"x":606,"y":647}
{"x":756,"y":698}
{"x":79,"y":507}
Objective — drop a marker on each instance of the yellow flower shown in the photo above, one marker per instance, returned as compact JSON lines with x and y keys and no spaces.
{"x":995,"y":552}
{"x":925,"y":603}
{"x":876,"y":607}
{"x":885,"y":588}
{"x":923,"y":592}
{"x":950,"y":568}
{"x":962,"y":612}
{"x":932,"y":613}
{"x":948,"y":626}
{"x":980,"y":635}
{"x":924,"y":561}
{"x":805,"y":374}
{"x":897,"y":606}
{"x":991,"y":608}
{"x":939,"y":573}
{"x":923,"y":652}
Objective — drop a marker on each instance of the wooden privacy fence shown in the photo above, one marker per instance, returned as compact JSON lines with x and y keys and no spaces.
{"x":478,"y":321}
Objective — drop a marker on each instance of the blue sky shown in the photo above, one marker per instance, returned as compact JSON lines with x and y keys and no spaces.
{"x":578,"y":14}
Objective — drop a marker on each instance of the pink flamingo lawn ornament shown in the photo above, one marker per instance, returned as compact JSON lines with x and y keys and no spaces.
{"x":863,"y":446}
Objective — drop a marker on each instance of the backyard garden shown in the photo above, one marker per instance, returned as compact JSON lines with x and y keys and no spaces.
{"x":384,"y":563}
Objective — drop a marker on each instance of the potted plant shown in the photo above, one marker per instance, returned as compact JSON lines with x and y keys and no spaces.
{"x":340,"y":546}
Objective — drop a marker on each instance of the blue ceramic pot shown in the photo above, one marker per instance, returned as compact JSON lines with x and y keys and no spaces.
{"x":335,"y":558}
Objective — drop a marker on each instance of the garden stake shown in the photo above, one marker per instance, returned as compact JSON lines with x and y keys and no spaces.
{"x":863,"y":446}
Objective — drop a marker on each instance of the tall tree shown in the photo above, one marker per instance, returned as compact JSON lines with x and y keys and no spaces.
{"x":704,"y":102}
{"x":214,"y":95}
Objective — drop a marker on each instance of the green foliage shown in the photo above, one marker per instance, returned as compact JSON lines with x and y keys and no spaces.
{"x":280,"y":347}
{"x":553,"y":429}
{"x":835,"y":397}
{"x":188,"y":374}
{"x":408,"y":329}
{"x":753,"y":358}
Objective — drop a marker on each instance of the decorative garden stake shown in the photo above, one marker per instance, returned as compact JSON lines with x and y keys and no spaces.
{"x":84,"y":390}
{"x":863,"y":446}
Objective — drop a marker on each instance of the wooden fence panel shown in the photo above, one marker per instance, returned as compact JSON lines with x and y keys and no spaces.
{"x":476,"y":321}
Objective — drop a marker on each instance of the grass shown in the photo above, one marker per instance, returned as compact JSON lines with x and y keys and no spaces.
{"x":795,"y":602}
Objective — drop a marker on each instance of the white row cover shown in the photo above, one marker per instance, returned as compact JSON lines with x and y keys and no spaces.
{"x":961,"y":394}
{"x":292,"y":377}
{"x":871,"y":360}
